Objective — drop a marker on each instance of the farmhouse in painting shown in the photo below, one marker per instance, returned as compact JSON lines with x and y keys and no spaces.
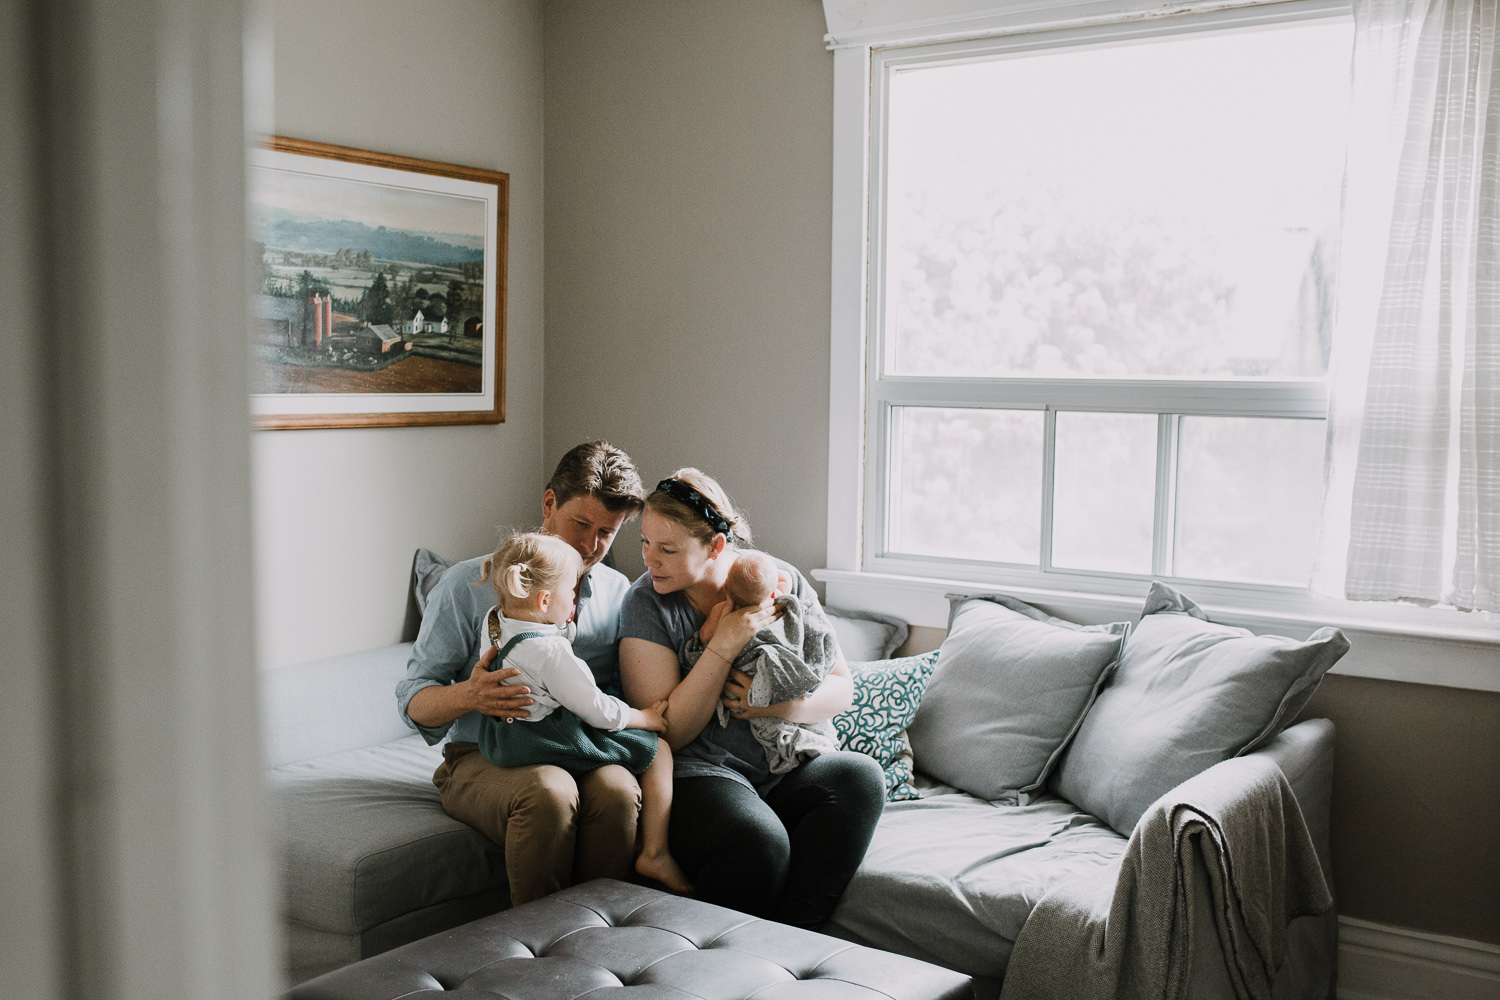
{"x":380,"y":339}
{"x":421,"y":324}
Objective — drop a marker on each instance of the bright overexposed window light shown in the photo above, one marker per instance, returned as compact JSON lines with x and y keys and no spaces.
{"x":1161,"y":207}
{"x":1106,"y":267}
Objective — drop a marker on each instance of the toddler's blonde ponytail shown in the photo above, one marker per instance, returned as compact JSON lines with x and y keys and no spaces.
{"x":517,"y":578}
{"x":525,"y":563}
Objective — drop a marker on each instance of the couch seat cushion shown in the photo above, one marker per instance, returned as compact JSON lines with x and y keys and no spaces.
{"x":950,"y":878}
{"x":364,"y":838}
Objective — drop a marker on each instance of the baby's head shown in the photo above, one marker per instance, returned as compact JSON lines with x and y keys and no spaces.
{"x":752,"y":579}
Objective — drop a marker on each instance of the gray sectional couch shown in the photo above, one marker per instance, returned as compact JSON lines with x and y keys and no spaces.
{"x":371,"y":861}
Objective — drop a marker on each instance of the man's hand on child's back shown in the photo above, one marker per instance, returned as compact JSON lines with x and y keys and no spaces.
{"x":489,"y":694}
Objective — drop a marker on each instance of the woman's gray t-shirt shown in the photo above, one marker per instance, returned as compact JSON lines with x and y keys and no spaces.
{"x":669,"y":620}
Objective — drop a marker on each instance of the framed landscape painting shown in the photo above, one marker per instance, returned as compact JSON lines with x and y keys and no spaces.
{"x":379,"y":296}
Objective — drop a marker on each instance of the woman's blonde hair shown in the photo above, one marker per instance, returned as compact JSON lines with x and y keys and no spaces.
{"x":696,"y":519}
{"x":526,"y":562}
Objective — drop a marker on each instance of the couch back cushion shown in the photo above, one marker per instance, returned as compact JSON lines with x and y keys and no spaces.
{"x":325,"y":706}
{"x":864,"y":636}
{"x":1188,"y":694}
{"x":1010,"y":687}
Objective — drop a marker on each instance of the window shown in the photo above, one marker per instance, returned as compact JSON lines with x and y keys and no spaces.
{"x":1100,"y":281}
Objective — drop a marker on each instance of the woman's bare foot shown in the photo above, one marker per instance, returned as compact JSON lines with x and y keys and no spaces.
{"x":664,"y":869}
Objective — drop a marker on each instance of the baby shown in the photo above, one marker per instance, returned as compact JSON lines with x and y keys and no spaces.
{"x":751,"y":583}
{"x":785,"y":660}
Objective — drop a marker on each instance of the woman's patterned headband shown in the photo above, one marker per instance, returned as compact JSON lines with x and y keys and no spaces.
{"x":700,"y":504}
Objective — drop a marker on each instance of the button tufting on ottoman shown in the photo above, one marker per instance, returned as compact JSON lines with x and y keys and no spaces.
{"x":605,"y":935}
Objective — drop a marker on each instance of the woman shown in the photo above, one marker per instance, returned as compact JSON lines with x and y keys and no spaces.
{"x":781,"y":846}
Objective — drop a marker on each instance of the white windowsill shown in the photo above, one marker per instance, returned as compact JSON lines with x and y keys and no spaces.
{"x":1379,"y":647}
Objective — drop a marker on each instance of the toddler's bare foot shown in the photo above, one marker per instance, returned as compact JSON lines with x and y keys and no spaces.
{"x":664,"y":869}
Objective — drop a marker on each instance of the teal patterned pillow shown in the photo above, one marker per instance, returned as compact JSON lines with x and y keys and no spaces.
{"x":886,"y":694}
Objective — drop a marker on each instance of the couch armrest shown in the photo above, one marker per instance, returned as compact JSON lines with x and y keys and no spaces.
{"x":341,"y":703}
{"x":1304,"y":753}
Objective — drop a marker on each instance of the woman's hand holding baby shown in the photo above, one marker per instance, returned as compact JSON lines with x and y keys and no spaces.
{"x":736,"y":697}
{"x":736,"y":700}
{"x":711,"y":623}
{"x":739,"y":626}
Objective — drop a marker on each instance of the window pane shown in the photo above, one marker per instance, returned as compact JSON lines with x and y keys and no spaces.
{"x":967,"y":484}
{"x":1104,"y":497}
{"x":1163,"y":207}
{"x":1248,"y":498}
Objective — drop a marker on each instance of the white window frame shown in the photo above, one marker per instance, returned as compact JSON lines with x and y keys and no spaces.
{"x":858,"y":573}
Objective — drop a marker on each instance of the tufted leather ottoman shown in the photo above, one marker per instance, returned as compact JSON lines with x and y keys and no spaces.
{"x":608,"y":936}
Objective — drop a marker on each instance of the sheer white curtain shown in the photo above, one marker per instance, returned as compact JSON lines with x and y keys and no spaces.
{"x":1412,"y":511}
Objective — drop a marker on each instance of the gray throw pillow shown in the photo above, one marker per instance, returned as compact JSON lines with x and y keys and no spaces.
{"x":1010,"y":687}
{"x":426,"y":567}
{"x":1188,"y":694}
{"x":866,"y":636}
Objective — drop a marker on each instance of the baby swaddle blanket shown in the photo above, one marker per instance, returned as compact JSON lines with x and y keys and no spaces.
{"x":785,"y":660}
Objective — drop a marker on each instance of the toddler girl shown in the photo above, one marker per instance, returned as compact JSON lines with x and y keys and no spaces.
{"x":572,"y":724}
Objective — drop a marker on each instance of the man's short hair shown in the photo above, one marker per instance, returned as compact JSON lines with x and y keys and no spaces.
{"x":599,"y":469}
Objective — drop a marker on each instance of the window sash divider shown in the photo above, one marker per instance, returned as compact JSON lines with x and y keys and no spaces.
{"x":1164,"y":528}
{"x":1049,"y":483}
{"x":880,"y":501}
{"x":1237,"y":398}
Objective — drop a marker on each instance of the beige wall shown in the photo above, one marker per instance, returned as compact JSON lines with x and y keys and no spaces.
{"x":688,"y":158}
{"x":689,"y":154}
{"x":338,"y":513}
{"x":1416,"y":804}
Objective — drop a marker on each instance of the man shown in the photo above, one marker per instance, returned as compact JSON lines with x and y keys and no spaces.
{"x":556,"y":829}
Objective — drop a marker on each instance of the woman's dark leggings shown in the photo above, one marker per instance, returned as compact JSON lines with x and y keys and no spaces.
{"x":787,"y":856}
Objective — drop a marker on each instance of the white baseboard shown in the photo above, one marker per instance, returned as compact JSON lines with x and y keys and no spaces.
{"x":1377,"y":962}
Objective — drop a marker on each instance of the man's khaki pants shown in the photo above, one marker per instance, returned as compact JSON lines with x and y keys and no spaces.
{"x":556,"y":830}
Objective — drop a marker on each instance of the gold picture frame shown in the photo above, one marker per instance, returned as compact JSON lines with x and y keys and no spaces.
{"x":380,"y":288}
